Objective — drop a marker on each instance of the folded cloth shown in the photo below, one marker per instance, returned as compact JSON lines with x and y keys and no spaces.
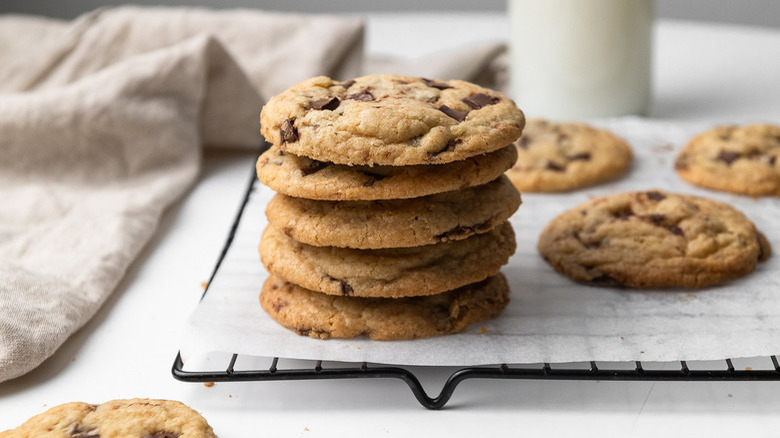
{"x":101,"y":125}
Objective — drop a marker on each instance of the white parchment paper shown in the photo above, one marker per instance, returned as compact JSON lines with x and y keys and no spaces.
{"x":550,"y":318}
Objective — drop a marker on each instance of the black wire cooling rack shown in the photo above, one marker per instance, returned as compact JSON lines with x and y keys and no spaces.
{"x":633,"y":372}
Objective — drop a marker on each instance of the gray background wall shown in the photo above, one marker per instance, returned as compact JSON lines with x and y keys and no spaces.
{"x":747,"y":12}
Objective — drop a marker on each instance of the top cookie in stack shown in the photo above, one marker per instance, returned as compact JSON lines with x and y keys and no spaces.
{"x":389,"y":187}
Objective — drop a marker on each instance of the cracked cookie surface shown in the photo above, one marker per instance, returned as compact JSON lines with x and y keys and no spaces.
{"x":134,"y":418}
{"x":652,"y":239}
{"x":390,"y":120}
{"x":390,"y":273}
{"x":303,"y":177}
{"x":395,"y":223}
{"x":555,"y":156}
{"x":737,"y":159}
{"x":324,"y":316}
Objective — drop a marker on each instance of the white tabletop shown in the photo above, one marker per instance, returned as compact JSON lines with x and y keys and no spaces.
{"x":703,"y":73}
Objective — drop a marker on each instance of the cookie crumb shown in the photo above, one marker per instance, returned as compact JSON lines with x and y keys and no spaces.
{"x":204,"y":284}
{"x":305,"y":429}
{"x":622,"y":338}
{"x":208,"y":384}
{"x":482,"y":330}
{"x":730,"y":396}
{"x":748,"y":368}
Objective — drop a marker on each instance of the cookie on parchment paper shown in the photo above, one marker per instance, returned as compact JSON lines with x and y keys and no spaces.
{"x":653,"y":239}
{"x":737,"y":159}
{"x":325,"y":316}
{"x":561,"y":156}
{"x":390,"y":120}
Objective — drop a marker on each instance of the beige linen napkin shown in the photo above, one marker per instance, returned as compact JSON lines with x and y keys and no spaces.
{"x":101,"y":125}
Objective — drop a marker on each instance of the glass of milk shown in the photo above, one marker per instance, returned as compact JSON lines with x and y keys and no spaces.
{"x":574,"y":59}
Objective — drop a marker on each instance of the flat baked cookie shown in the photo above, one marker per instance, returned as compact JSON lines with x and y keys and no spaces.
{"x":554,"y":157}
{"x":652,"y":239}
{"x":303,"y":177}
{"x":390,"y":120}
{"x":736,"y":159}
{"x":395,"y":223}
{"x":325,"y":316}
{"x":388,"y":273}
{"x":135,"y":418}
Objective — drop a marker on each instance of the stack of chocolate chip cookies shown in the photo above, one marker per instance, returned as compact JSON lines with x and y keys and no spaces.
{"x":390,"y":219}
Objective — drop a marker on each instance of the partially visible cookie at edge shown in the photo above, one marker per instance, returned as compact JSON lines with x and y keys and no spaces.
{"x":117,"y":418}
{"x":395,"y":223}
{"x":560,"y":156}
{"x":303,"y":177}
{"x":732,"y":158}
{"x":325,"y":316}
{"x":390,"y":272}
{"x":652,"y":239}
{"x":389,"y":119}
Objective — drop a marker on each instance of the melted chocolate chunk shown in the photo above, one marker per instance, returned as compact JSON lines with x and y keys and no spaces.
{"x":373,"y":178}
{"x":657,"y":218}
{"x":326,"y":104}
{"x":162,"y":435}
{"x":605,"y":280}
{"x":623,"y":214}
{"x":455,"y":114}
{"x":288,"y":131}
{"x":435,"y":84}
{"x":582,"y":156}
{"x":772,"y":160}
{"x":313,"y":166}
{"x":347,"y":84}
{"x":656,"y":196}
{"x":524,"y":142}
{"x":461,"y":230}
{"x":480,"y":100}
{"x":676,"y":230}
{"x":555,"y":167}
{"x":362,"y":95}
{"x":346,"y":289}
{"x":728,"y":157}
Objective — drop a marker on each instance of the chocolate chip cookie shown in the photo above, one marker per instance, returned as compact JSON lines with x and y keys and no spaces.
{"x":303,"y":177}
{"x":390,"y":120}
{"x":324,"y":316}
{"x":142,"y":418}
{"x":389,"y":273}
{"x":554,"y":157}
{"x":395,"y":223}
{"x":652,"y":239}
{"x":737,"y":159}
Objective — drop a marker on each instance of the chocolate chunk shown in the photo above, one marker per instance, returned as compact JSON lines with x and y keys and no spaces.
{"x":435,"y":84}
{"x":479,"y":100}
{"x":373,"y":178}
{"x":288,"y":131}
{"x":656,"y":196}
{"x":623,"y":214}
{"x":772,"y":160}
{"x":326,"y":104}
{"x":462,"y":230}
{"x":346,"y":289}
{"x":676,"y":230}
{"x":162,"y":435}
{"x":362,"y":95}
{"x":555,"y":167}
{"x":657,"y":218}
{"x":582,"y":156}
{"x":346,"y":84}
{"x":728,"y":157}
{"x":313,"y":166}
{"x":455,"y":114}
{"x":561,"y":137}
{"x":524,"y":142}
{"x":605,"y":280}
